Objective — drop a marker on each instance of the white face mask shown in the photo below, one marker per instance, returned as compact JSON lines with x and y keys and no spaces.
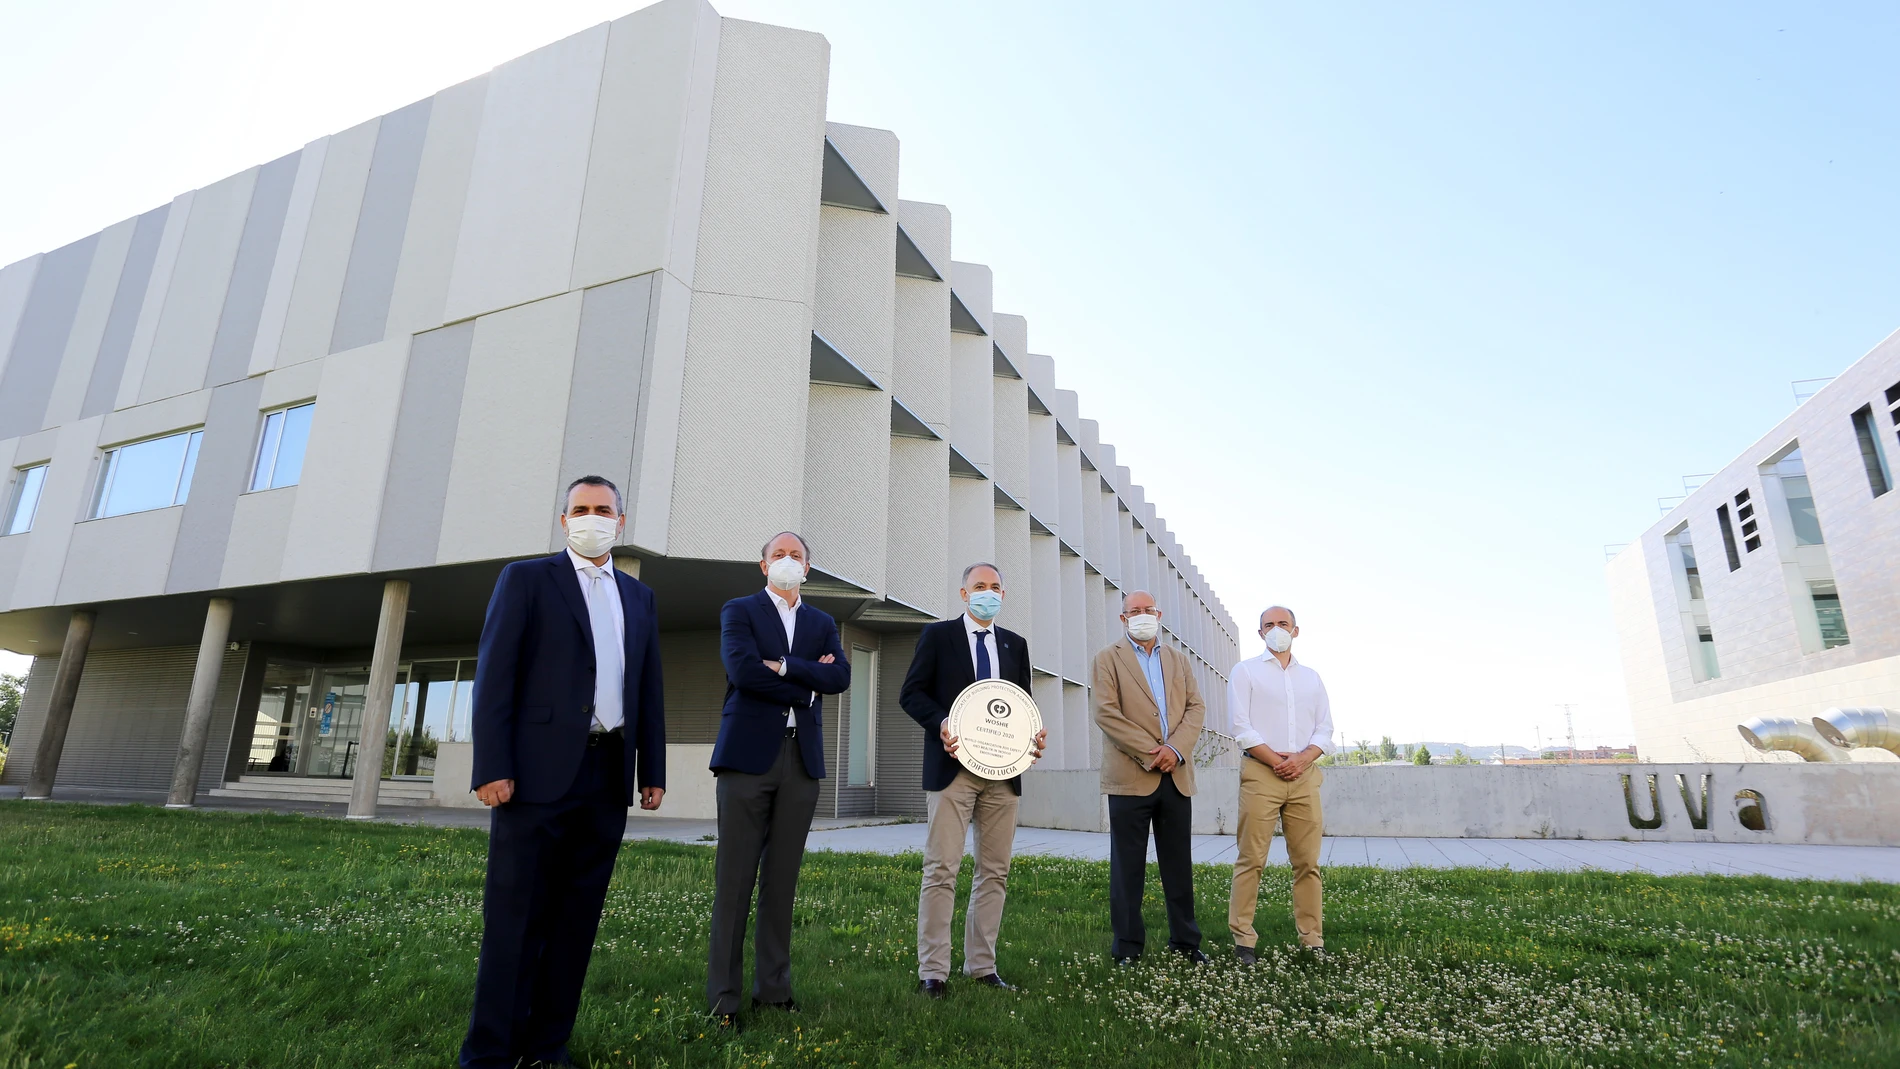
{"x":786,"y":573}
{"x":1279,"y":639}
{"x":591,"y":536}
{"x":1143,"y":627}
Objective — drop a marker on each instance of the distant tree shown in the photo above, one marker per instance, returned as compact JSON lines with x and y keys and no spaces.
{"x":1422,"y":756}
{"x":1388,"y":750}
{"x":1409,"y":750}
{"x":11,"y":688}
{"x":1458,"y":757}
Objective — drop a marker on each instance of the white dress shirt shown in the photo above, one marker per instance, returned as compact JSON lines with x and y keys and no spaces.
{"x":609,"y":686}
{"x":970,"y":629}
{"x":1285,"y":708}
{"x":787,"y":615}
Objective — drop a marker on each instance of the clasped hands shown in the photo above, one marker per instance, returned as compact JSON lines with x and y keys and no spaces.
{"x":1288,"y":767}
{"x":950,"y":741}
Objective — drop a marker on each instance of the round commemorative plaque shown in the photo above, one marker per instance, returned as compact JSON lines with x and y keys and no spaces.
{"x":995,"y":722}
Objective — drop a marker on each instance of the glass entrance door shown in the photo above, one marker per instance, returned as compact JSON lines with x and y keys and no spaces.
{"x":277,"y":738}
{"x":333,"y":733}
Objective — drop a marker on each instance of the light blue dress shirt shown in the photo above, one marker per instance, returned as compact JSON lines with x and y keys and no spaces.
{"x":1157,"y":686}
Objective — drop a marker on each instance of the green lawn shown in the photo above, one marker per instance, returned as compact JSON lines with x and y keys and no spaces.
{"x":142,"y":937}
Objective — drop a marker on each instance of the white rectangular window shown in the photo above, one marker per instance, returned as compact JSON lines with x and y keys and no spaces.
{"x":861,"y":738}
{"x":152,"y":474}
{"x":1691,"y":604}
{"x":1806,"y":569}
{"x":26,"y":499}
{"x":280,"y":448}
{"x":1873,"y":456}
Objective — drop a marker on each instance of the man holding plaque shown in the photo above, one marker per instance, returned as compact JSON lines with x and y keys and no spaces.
{"x":1149,"y":708}
{"x":954,"y":656}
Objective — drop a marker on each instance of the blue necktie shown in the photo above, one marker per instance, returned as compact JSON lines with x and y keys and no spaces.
{"x":982,"y":657}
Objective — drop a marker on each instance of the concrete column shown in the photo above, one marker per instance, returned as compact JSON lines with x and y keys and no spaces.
{"x":204,"y":691}
{"x":59,"y":712}
{"x":382,"y":688}
{"x":628,"y":565}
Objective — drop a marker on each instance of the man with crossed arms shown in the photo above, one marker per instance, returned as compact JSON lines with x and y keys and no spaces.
{"x":1284,"y":723}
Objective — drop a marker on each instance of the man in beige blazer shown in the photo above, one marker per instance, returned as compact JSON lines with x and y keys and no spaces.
{"x":1150,"y":711}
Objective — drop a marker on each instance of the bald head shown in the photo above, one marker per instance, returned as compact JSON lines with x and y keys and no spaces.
{"x":1138,"y":601}
{"x":1279,"y":614}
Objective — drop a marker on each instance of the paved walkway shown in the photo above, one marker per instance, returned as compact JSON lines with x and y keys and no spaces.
{"x":883,"y":835}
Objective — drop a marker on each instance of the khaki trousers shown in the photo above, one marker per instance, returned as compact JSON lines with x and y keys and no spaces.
{"x":1263,"y":797}
{"x":992,"y":806}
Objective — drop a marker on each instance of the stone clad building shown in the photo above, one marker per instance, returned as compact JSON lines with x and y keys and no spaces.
{"x":282,"y":433}
{"x":1773,"y":588}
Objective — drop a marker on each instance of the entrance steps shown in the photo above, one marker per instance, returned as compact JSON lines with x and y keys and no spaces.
{"x":314,"y":789}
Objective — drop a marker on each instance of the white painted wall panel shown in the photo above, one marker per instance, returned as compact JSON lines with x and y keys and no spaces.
{"x":529,"y":177}
{"x":153,"y":307}
{"x":759,"y":221}
{"x":435,"y":211}
{"x":735,"y":475}
{"x":89,"y":324}
{"x":655,"y":452}
{"x":290,"y":244}
{"x":131,"y":575}
{"x":62,"y":503}
{"x":182,"y":346}
{"x":847,"y":466}
{"x":508,"y":439}
{"x":311,"y":318}
{"x":16,"y":283}
{"x":649,"y":141}
{"x":339,"y":499}
{"x":260,"y":529}
{"x":917,"y":552}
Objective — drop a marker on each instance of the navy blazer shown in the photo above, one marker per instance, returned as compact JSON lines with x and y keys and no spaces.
{"x":939,"y":670}
{"x":534,"y":681}
{"x":752,"y":723}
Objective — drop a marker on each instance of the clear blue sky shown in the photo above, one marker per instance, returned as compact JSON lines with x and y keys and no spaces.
{"x":1399,"y":312}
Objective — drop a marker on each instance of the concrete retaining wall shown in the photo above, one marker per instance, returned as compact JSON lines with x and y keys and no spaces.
{"x":1854,"y":805}
{"x":689,"y":783}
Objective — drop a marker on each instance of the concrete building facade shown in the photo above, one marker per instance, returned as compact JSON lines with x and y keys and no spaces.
{"x":1772,"y":589}
{"x":267,"y":446}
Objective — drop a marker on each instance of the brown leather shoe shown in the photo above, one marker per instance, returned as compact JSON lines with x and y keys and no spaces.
{"x":993,"y":980}
{"x":932,"y":988}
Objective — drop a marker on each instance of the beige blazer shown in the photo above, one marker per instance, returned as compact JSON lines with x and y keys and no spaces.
{"x":1125,"y":711}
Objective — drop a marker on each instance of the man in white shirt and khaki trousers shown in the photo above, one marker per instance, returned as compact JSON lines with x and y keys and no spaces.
{"x":1283,"y":721}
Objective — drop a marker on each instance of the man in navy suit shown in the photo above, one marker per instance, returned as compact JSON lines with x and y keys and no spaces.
{"x":951,"y":655}
{"x":780,"y":654}
{"x":567,"y":713}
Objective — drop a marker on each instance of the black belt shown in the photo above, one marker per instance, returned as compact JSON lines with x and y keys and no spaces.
{"x":600,"y":738}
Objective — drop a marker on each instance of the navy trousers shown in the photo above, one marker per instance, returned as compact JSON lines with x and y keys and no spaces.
{"x":548,"y":868}
{"x":1170,"y":814}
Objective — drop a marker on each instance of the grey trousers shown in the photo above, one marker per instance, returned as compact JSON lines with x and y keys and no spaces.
{"x":763,"y":821}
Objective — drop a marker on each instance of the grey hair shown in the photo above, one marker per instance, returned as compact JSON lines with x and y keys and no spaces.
{"x":1126,"y":594}
{"x":981,"y":564}
{"x":802,"y":544}
{"x":1282,"y":608}
{"x":593,"y":480}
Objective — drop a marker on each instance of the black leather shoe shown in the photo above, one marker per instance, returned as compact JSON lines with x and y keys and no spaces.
{"x":993,"y":980}
{"x":789,"y":1005}
{"x":728,"y":1023}
{"x":1194,"y":957}
{"x":932,"y":988}
{"x":1246,"y":955}
{"x":544,"y":1063}
{"x":1125,"y":961}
